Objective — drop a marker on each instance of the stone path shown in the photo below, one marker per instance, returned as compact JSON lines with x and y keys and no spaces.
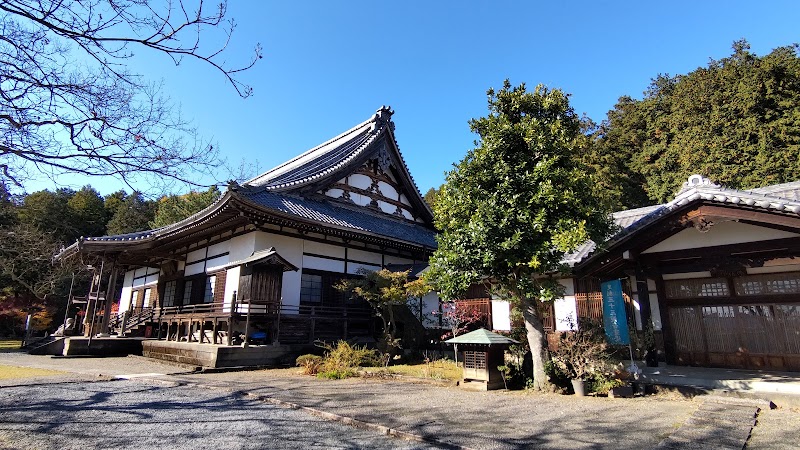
{"x":719,"y":423}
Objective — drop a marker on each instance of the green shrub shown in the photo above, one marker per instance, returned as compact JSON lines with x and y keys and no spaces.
{"x":309,"y":363}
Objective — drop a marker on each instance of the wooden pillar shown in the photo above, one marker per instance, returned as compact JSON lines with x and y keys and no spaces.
{"x":110,"y":296}
{"x":666,"y":327}
{"x":643,"y":293}
{"x":214,"y":331}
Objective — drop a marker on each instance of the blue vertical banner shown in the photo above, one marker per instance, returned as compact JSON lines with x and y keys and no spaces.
{"x":615,"y":320}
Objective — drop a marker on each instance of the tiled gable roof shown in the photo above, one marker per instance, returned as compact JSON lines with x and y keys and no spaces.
{"x":781,"y":198}
{"x":356,"y":219}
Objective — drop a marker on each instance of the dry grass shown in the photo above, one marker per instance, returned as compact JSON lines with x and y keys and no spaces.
{"x":9,"y":345}
{"x":13,"y":372}
{"x":442,"y":369}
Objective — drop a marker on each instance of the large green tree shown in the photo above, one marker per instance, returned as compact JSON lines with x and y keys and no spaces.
{"x":736,"y":121}
{"x":133,"y":214}
{"x":511,"y":209}
{"x":174,"y":208}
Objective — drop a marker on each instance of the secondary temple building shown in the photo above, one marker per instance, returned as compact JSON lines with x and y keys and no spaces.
{"x":263,"y":259}
{"x":715,"y":271}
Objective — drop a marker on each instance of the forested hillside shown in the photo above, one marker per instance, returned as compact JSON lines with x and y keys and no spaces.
{"x":736,"y":121}
{"x":34,"y":227}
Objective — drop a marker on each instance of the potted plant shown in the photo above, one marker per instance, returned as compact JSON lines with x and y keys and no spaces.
{"x":581,"y":353}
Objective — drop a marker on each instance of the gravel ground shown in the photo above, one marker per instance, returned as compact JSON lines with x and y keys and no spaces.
{"x":491,"y":420}
{"x":140,"y":415}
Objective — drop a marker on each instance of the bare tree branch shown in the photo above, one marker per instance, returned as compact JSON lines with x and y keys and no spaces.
{"x":68,"y":103}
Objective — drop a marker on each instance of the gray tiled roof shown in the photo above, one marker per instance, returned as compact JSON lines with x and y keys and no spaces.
{"x":357,"y":219}
{"x":782,"y":198}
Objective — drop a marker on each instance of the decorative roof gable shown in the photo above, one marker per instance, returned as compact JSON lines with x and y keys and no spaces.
{"x":361,"y":167}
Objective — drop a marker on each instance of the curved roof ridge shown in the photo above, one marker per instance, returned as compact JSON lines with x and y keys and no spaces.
{"x":368,"y":126}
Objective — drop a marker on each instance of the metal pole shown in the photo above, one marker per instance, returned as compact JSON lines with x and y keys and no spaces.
{"x":96,"y":299}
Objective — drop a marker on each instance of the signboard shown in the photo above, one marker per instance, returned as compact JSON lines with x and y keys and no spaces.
{"x":615,"y":321}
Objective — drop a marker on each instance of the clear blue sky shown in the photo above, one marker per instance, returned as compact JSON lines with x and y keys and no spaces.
{"x":329,"y":65}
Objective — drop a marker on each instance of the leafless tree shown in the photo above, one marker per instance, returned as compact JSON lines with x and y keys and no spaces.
{"x":69,"y":103}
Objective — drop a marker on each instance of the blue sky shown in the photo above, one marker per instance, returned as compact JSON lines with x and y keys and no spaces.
{"x":328,"y":66}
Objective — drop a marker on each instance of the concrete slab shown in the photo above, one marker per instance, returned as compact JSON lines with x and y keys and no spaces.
{"x":746,"y":381}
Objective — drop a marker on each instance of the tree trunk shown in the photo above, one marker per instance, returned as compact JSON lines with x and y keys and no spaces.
{"x":536,"y":341}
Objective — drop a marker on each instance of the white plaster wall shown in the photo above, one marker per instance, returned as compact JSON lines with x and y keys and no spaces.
{"x":655,"y":313}
{"x":330,"y":265}
{"x":637,"y":306}
{"x":242,"y":246}
{"x":566,"y":312}
{"x":219,"y":248}
{"x":321,"y":248}
{"x":724,"y":233}
{"x":353,"y":268}
{"x":335,"y":193}
{"x":391,"y":259}
{"x":213,"y":265}
{"x":360,"y":200}
{"x":360,"y":181}
{"x":196,"y":255}
{"x":125,"y":295}
{"x":404,"y":200}
{"x":364,"y":256}
{"x":143,"y":280}
{"x":388,"y":208}
{"x":231,"y":286}
{"x":407,"y":214}
{"x":565,"y":309}
{"x":501,"y":315}
{"x":193,"y":269}
{"x":387,"y":190}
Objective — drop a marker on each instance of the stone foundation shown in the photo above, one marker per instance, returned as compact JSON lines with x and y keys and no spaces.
{"x":221,"y":356}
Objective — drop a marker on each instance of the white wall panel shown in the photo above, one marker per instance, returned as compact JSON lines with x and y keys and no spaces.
{"x":241,"y":247}
{"x":501,"y":315}
{"x":725,"y":233}
{"x":196,"y":255}
{"x":353,"y":268}
{"x":655,"y":312}
{"x":566,"y":313}
{"x":320,"y":248}
{"x":193,"y":269}
{"x":329,"y":265}
{"x":219,"y":248}
{"x":363,"y":256}
{"x":231,"y":284}
{"x":360,"y":181}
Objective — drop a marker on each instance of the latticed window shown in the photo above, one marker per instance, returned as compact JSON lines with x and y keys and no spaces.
{"x":475,"y":360}
{"x":169,"y":293}
{"x":310,"y":288}
{"x":768,"y":284}
{"x":187,"y":292}
{"x":701,"y":287}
